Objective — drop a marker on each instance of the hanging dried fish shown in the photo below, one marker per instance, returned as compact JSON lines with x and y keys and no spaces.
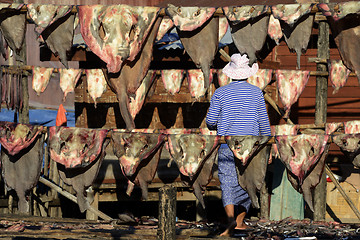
{"x":248,"y":28}
{"x":2,"y":47}
{"x":13,"y":28}
{"x":1,"y":83}
{"x":296,"y":23}
{"x":11,"y":89}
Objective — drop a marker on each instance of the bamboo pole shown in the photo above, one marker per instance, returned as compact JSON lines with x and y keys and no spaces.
{"x":72,"y":197}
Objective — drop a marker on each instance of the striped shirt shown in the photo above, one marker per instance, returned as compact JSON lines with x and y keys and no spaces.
{"x":238,"y":109}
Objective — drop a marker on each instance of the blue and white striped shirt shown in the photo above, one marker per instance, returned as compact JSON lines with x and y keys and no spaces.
{"x":238,"y":109}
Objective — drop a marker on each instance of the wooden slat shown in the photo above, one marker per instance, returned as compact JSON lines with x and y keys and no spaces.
{"x":345,"y":92}
{"x":335,"y":103}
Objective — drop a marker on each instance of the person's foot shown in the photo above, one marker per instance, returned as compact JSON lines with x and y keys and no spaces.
{"x":242,"y":227}
{"x":229,"y":230}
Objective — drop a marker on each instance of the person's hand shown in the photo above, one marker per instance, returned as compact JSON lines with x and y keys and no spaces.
{"x":270,"y":159}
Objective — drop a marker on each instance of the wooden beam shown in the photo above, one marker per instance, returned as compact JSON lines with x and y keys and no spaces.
{"x":28,"y":68}
{"x":317,"y":60}
{"x":218,"y":12}
{"x":72,"y":197}
{"x":323,"y":52}
{"x":77,"y":54}
{"x":224,"y":54}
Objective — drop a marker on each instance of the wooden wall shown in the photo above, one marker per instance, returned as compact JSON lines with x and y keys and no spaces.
{"x":342,"y":106}
{"x":163,"y":110}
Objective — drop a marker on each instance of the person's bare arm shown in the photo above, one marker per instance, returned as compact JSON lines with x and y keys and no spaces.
{"x":212,"y":116}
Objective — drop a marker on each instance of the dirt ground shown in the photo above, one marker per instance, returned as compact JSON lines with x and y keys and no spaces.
{"x":30,"y":227}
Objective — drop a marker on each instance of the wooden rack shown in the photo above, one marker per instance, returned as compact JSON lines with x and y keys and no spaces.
{"x":27,"y":69}
{"x":219,"y":11}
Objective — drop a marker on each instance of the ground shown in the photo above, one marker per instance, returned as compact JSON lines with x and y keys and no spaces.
{"x":30,"y":227}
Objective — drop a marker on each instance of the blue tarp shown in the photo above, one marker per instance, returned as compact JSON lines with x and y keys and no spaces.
{"x":39,"y":117}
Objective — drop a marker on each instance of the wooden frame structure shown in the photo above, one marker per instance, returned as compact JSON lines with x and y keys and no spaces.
{"x":320,"y":106}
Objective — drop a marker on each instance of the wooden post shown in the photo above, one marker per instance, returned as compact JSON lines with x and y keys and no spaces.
{"x":36,"y":208}
{"x":24,"y":112}
{"x":53,"y":176}
{"x":264,"y":201}
{"x":94,"y":204}
{"x":10,"y":199}
{"x":200,"y":211}
{"x":323,"y":52}
{"x":167,"y":213}
{"x":10,"y":204}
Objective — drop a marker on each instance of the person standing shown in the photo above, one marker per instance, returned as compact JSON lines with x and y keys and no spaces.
{"x":236,"y":109}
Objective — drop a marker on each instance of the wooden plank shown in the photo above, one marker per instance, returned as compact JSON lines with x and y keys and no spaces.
{"x":77,"y":54}
{"x":72,"y":197}
{"x":345,"y":92}
{"x":333,"y":103}
{"x":160,"y":95}
{"x":339,"y":207}
{"x":289,"y":63}
{"x":181,"y":195}
{"x":111,"y":183}
{"x":269,"y":64}
{"x":311,"y":83}
{"x":341,"y":190}
{"x":177,"y":98}
{"x":284,"y":50}
{"x":334,"y":115}
{"x":310,"y":119}
{"x":351,"y":82}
